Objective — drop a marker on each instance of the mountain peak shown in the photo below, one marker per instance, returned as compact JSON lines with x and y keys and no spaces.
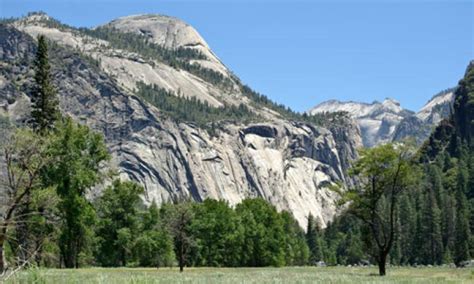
{"x":128,"y":93}
{"x":171,"y":33}
{"x":164,"y":30}
{"x":379,"y":122}
{"x":36,"y":17}
{"x":391,"y":101}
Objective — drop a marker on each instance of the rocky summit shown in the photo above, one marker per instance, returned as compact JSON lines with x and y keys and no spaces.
{"x":224,"y":141}
{"x":387,"y":121}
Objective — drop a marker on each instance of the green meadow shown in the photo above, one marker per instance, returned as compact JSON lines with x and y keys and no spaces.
{"x":246,"y":275}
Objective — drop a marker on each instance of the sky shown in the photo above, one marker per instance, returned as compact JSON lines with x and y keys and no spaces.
{"x":301,"y":52}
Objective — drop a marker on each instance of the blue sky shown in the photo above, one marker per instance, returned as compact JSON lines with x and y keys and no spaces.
{"x":301,"y":53}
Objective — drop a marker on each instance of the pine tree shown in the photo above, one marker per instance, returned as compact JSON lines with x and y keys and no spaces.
{"x":396,"y":253}
{"x":462,"y":233}
{"x":44,"y":113}
{"x":435,"y":179}
{"x":418,"y":239}
{"x":432,"y":245}
{"x":44,"y":101}
{"x":313,"y":240}
{"x":407,"y":229}
{"x":470,"y":184}
{"x":448,"y":222}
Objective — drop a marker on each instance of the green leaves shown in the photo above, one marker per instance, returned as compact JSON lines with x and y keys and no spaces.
{"x":383,"y":173}
{"x":214,"y":228}
{"x":78,"y":155}
{"x":119,"y":225}
{"x":154,"y":248}
{"x":263,"y":233}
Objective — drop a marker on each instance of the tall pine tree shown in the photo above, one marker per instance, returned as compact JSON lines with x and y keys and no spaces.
{"x":44,"y":114}
{"x":44,"y":100}
{"x":462,"y":232}
{"x":313,"y":240}
{"x":432,"y":246}
{"x":407,"y":217}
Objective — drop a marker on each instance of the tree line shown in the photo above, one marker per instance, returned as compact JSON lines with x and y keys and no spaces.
{"x":50,"y":166}
{"x":178,"y":58}
{"x":431,"y":223}
{"x":409,"y":207}
{"x":192,"y":110}
{"x":50,"y":222}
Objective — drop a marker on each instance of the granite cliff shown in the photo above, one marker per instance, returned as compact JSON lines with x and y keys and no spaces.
{"x":283,"y":158}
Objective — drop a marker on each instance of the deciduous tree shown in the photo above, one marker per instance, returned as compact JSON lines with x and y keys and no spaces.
{"x":23,"y":158}
{"x":384,"y":173}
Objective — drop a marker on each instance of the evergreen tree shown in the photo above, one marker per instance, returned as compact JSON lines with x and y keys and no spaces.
{"x":44,"y":101}
{"x":449,"y":221}
{"x":418,"y":240}
{"x":448,"y":207}
{"x":435,"y":179}
{"x":313,"y":240}
{"x":462,"y":232}
{"x":44,"y":114}
{"x":353,"y":249}
{"x":470,"y":184}
{"x":407,"y":217}
{"x":296,"y":249}
{"x":432,"y":245}
{"x":396,"y":252}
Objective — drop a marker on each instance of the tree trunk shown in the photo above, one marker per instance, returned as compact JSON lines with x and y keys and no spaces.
{"x":3,"y":263}
{"x":68,"y":256}
{"x":68,"y":261}
{"x":181,"y":258}
{"x":76,"y":259}
{"x":124,"y":258}
{"x":39,"y":253}
{"x":22,"y":231}
{"x":382,"y":263}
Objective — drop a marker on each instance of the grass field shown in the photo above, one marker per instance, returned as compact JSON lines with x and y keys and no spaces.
{"x":246,"y":275}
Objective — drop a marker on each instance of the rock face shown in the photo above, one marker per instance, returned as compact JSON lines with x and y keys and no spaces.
{"x":291,"y":164}
{"x":170,"y":33}
{"x":377,"y":121}
{"x":388,"y":121}
{"x":438,"y":108}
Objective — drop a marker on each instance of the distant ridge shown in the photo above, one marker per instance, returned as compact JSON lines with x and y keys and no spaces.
{"x":387,"y":121}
